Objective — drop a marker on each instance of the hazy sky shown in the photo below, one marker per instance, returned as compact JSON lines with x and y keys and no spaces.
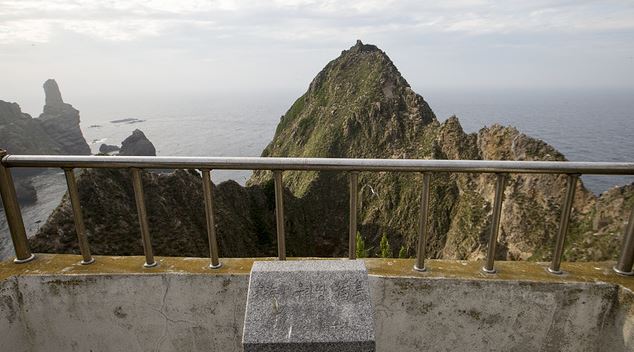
{"x":115,"y":48}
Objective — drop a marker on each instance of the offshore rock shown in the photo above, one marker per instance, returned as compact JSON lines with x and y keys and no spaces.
{"x":55,"y":132}
{"x":107,"y":148}
{"x":61,"y":121}
{"x":137,"y":144}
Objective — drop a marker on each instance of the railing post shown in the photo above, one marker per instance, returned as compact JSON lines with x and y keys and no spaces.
{"x":211,"y":224}
{"x":626,"y":259}
{"x":564,"y":221}
{"x":80,"y":228}
{"x":422,"y":224}
{"x":14,"y":215}
{"x":495,"y":223}
{"x":137,"y":183}
{"x":354,"y":195}
{"x":279,"y":214}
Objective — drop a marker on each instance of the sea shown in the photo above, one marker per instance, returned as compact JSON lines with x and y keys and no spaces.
{"x":583,"y":124}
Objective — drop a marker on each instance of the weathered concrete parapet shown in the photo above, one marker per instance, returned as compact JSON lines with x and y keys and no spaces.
{"x":309,"y":306}
{"x":54,"y":303}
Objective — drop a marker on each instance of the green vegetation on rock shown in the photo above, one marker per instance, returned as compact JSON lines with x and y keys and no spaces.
{"x":386,"y":251}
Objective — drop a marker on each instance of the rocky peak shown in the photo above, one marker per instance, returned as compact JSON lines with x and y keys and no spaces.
{"x":358,"y":106}
{"x":52,"y":93}
{"x":137,"y":144}
{"x":61,"y":121}
{"x":360,"y":47}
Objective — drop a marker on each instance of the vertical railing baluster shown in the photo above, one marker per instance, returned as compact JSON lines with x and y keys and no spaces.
{"x":279,"y":214}
{"x":352,"y":226}
{"x":626,"y":259}
{"x":564,"y":221}
{"x":80,"y":228}
{"x":422,"y":224}
{"x":211,"y":224}
{"x":495,"y":223}
{"x":137,"y":183}
{"x":14,"y":215}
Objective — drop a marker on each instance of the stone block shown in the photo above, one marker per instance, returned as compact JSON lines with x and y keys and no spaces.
{"x":313,"y":305}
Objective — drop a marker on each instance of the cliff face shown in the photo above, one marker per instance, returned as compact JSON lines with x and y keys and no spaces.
{"x":175,"y":213}
{"x":358,"y":106}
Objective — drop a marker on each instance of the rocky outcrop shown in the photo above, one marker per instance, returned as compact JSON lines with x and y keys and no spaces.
{"x":56,"y":131}
{"x":358,"y":106}
{"x":175,"y":212}
{"x":137,"y":144}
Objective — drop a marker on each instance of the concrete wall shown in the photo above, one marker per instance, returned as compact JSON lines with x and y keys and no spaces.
{"x":468,"y":315}
{"x":168,"y":312}
{"x":198,"y":312}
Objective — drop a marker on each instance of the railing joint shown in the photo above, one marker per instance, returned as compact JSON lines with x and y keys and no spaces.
{"x":488,"y":271}
{"x":26,"y":260}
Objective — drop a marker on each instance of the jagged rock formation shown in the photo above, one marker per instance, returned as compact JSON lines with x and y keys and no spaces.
{"x":61,"y":121}
{"x":137,"y":144}
{"x":358,"y":106}
{"x":56,"y":131}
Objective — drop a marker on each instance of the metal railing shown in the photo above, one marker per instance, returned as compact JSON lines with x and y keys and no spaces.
{"x":278,"y":165}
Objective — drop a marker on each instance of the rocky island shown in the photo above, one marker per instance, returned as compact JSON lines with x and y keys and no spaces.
{"x":56,"y":131}
{"x":358,"y":106}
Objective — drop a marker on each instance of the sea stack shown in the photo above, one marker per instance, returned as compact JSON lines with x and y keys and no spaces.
{"x":61,"y":121}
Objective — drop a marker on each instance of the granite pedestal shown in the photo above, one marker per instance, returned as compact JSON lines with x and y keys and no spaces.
{"x":320,"y":305}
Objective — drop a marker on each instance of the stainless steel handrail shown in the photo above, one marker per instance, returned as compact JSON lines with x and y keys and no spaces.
{"x":320,"y":164}
{"x":279,"y":165}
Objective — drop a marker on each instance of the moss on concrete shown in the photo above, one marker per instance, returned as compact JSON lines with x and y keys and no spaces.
{"x":66,"y":264}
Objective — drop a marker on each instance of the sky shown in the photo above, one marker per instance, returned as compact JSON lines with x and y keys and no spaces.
{"x":115,"y":49}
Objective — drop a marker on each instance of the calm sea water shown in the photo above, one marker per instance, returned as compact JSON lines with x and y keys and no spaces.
{"x":584,"y":126}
